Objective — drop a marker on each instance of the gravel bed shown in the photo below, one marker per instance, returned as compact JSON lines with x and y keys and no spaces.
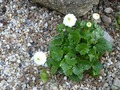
{"x":26,"y":29}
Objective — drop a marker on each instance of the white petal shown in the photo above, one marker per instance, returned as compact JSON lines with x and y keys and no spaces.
{"x":96,"y":16}
{"x":41,"y":56}
{"x":69,"y":20}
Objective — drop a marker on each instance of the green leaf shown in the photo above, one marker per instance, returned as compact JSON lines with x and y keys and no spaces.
{"x":96,"y":35}
{"x":98,"y":29}
{"x":55,"y":66}
{"x":54,"y":69}
{"x":75,"y":77}
{"x":66,"y":49}
{"x":82,"y":48}
{"x":81,"y":67}
{"x":77,"y":70}
{"x":118,"y":20}
{"x":80,"y":76}
{"x":57,"y":40}
{"x":98,"y":32}
{"x":60,"y":27}
{"x":92,"y":54}
{"x":97,"y":67}
{"x":68,"y":72}
{"x":65,"y":66}
{"x":49,"y":61}
{"x":85,"y":64}
{"x":108,"y":46}
{"x":91,"y":41}
{"x":44,"y":76}
{"x":86,"y":34}
{"x":78,"y":24}
{"x":83,"y":23}
{"x":102,"y":46}
{"x":118,"y":17}
{"x":70,"y":59}
{"x":57,"y":56}
{"x":74,"y":36}
{"x":91,"y":57}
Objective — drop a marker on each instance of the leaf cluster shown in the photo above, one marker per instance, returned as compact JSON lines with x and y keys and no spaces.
{"x":76,"y":51}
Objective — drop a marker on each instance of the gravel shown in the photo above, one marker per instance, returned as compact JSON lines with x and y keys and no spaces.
{"x":26,"y":29}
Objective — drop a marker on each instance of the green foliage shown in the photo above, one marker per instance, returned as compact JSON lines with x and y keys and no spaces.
{"x":117,"y":21}
{"x":44,"y":76}
{"x":77,"y":50}
{"x":118,"y":18}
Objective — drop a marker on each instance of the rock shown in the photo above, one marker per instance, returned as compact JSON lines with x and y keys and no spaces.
{"x":118,"y":65}
{"x":2,"y":82}
{"x":108,"y":37}
{"x":34,"y":88}
{"x":1,"y":1}
{"x":106,"y":85}
{"x":106,"y":19}
{"x":108,"y":10}
{"x":65,"y":78}
{"x":1,"y":88}
{"x":1,"y":25}
{"x":76,"y":7}
{"x":116,"y":84}
{"x":53,"y":87}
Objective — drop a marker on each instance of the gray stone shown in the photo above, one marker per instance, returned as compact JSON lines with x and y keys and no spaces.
{"x":106,"y":85}
{"x":118,"y":7}
{"x":108,"y":10}
{"x":76,"y":7}
{"x":106,"y":19}
{"x":108,"y":37}
{"x":118,"y":65}
{"x":116,"y":84}
{"x":1,"y":25}
{"x":1,"y":1}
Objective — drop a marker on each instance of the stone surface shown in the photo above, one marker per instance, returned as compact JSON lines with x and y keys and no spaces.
{"x":108,"y":37}
{"x":108,"y":10}
{"x":77,"y":7}
{"x":118,"y":64}
{"x":1,"y":1}
{"x":106,"y":19}
{"x":1,"y":25}
{"x":116,"y":84}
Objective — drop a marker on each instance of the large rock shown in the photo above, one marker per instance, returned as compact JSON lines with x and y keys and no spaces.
{"x":77,"y":7}
{"x":108,"y":37}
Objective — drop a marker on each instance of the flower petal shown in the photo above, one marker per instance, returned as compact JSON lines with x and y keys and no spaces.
{"x":39,"y":58}
{"x":69,"y":20}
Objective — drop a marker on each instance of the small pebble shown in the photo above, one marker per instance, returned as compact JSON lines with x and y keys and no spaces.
{"x":118,"y":64}
{"x":106,"y":19}
{"x":67,"y":83}
{"x":106,"y":85}
{"x":65,"y":78}
{"x":34,"y":88}
{"x":1,"y":24}
{"x":100,"y":77}
{"x":108,"y":10}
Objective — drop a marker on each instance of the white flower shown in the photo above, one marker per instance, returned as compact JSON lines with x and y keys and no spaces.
{"x":40,"y":58}
{"x":96,"y":16}
{"x":69,"y":20}
{"x":89,"y":24}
